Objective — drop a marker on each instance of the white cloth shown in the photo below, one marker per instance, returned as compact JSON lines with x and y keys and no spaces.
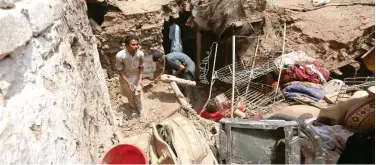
{"x":292,"y":58}
{"x":314,"y":69}
{"x":175,"y":37}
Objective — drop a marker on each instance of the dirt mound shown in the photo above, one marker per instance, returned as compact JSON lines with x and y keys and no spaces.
{"x":159,"y":102}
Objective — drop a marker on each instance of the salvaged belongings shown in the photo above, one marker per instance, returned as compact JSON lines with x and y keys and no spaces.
{"x":315,"y":73}
{"x":177,"y":141}
{"x":298,"y":66}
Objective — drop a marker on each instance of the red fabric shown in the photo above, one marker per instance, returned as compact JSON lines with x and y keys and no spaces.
{"x":258,"y":117}
{"x":216,"y":116}
{"x":299,"y":72}
{"x":125,"y":154}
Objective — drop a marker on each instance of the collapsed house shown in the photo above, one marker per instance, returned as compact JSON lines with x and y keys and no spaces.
{"x":53,"y":94}
{"x":263,"y":30}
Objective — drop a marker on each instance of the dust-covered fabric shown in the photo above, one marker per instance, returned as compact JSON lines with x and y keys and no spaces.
{"x":292,"y":91}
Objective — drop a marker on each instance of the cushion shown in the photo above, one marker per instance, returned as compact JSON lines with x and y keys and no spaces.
{"x":361,"y":115}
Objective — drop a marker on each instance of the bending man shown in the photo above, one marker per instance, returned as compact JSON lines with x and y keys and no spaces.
{"x":130,"y":63}
{"x":179,"y":65}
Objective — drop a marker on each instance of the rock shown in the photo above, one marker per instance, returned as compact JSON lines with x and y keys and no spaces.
{"x":41,"y":14}
{"x":17,"y":31}
{"x":6,"y":4}
{"x":53,"y":94}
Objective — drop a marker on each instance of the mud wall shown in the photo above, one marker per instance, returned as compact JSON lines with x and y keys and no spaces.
{"x":126,"y":18}
{"x":54,"y":103}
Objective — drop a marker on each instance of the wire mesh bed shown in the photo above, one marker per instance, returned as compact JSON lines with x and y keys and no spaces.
{"x":355,"y":84}
{"x":244,"y":73}
{"x":256,"y":96}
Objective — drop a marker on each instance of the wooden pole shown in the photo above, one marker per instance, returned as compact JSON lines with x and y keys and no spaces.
{"x":198,"y":53}
{"x":281,"y":64}
{"x":233,"y":77}
{"x":170,"y":78}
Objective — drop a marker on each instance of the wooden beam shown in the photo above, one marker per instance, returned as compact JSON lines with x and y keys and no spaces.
{"x":368,"y":52}
{"x":337,"y":72}
{"x":198,"y":53}
{"x":185,"y":105}
{"x":170,"y":78}
{"x":188,"y":108}
{"x":355,"y":65}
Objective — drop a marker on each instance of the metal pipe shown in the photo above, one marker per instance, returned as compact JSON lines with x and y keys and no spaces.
{"x":212,"y":77}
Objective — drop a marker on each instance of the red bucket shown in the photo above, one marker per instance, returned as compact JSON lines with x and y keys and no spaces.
{"x":125,"y":154}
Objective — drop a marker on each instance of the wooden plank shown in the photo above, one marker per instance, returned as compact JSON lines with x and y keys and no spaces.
{"x":331,"y":97}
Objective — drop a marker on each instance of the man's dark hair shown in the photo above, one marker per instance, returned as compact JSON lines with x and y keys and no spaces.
{"x":157,"y":55}
{"x":129,"y":38}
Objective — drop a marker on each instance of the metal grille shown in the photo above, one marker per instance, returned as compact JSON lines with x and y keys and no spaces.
{"x":257,"y":96}
{"x":355,"y":84}
{"x":243,"y":73}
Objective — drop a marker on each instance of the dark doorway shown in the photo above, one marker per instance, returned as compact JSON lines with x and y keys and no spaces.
{"x":96,"y":11}
{"x":188,"y":35}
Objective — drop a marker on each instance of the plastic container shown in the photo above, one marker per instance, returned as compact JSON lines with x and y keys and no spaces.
{"x":125,"y":154}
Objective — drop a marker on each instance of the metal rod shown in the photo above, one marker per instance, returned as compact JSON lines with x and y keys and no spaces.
{"x":233,"y":76}
{"x":253,"y":65}
{"x":212,"y":77}
{"x":281,"y":64}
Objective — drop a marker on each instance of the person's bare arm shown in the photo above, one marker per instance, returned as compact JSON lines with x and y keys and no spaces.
{"x":180,"y":70}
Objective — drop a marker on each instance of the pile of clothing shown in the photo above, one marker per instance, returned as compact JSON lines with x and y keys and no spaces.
{"x":302,"y":76}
